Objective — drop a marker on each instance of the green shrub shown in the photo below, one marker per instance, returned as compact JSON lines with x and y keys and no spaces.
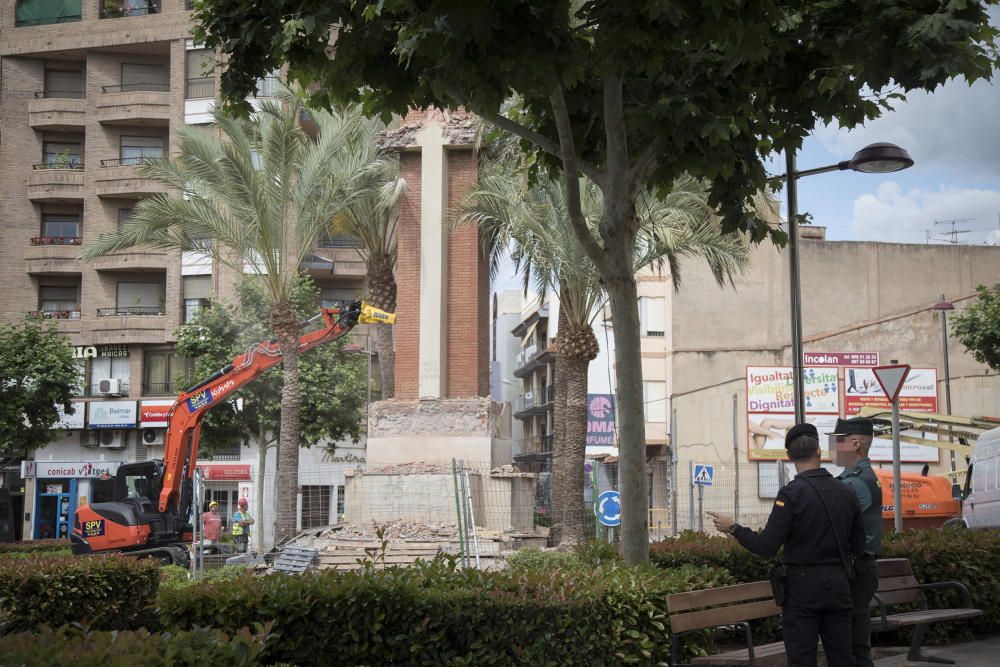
{"x":104,"y":592}
{"x":587,"y":555}
{"x":694,"y":548}
{"x":71,"y":646}
{"x":433,"y":614}
{"x":56,"y":547}
{"x":174,"y":576}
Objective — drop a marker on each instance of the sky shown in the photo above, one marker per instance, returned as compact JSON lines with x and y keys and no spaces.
{"x":953,"y":136}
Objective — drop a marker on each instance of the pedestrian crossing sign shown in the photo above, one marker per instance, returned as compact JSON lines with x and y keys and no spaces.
{"x":703,"y":474}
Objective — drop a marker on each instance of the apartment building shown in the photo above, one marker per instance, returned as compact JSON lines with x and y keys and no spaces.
{"x":534,"y":369}
{"x":91,"y":89}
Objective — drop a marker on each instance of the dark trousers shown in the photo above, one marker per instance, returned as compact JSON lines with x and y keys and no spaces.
{"x":818,"y":604}
{"x":865,"y":585}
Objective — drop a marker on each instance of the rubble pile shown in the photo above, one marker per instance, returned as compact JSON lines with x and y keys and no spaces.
{"x":407,"y":469}
{"x":398,"y":529}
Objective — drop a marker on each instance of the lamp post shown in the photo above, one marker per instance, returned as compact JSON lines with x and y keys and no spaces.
{"x":943,"y":307}
{"x":878,"y":158}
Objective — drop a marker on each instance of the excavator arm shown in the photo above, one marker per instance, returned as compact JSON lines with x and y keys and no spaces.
{"x":184,"y":420}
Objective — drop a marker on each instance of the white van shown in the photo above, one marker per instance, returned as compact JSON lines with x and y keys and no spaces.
{"x":981,"y":507}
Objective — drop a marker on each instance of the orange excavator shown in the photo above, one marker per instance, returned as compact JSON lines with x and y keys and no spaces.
{"x":150,"y":515}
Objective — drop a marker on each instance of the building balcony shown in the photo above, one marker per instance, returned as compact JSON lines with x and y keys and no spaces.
{"x":116,"y":9}
{"x":527,"y":361}
{"x":134,"y":260}
{"x":65,"y":321}
{"x":120,"y":178}
{"x":57,"y":110}
{"x":128,"y":325}
{"x":126,"y":311}
{"x":93,"y":390}
{"x":145,"y":104}
{"x":531,"y":404}
{"x":50,"y":255}
{"x":52,"y":182}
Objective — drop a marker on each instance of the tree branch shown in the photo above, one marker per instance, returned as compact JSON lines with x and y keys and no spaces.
{"x":615,"y":133}
{"x":572,"y":180}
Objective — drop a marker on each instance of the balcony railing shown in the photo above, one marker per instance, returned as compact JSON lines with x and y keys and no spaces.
{"x":201,"y":87}
{"x":56,"y":314}
{"x":113,"y":10}
{"x":194,"y":306}
{"x":525,"y":401}
{"x":339,"y":242}
{"x":131,"y":310}
{"x":60,"y":94}
{"x":129,"y":161}
{"x":137,"y":88}
{"x":94,"y":389}
{"x":226,"y":453}
{"x":70,"y":165}
{"x":55,"y":240}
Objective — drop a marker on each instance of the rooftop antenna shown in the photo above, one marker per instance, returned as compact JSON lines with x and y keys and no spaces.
{"x":954,"y":229}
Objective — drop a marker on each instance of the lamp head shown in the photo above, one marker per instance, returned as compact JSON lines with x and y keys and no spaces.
{"x":880,"y":158}
{"x":944,"y":305}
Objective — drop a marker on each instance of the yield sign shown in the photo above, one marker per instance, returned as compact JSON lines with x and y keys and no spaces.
{"x":891,"y":379}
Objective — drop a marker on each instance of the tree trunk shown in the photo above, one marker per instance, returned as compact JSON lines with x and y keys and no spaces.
{"x":287,"y":330}
{"x":631,"y":427}
{"x":575,"y":529}
{"x":261,"y":480}
{"x":382,"y":294}
{"x":558,"y":487}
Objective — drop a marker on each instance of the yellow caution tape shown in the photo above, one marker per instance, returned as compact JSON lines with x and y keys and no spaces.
{"x":372,"y":315}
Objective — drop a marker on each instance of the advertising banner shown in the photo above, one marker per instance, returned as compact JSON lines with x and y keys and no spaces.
{"x":220,"y":472}
{"x":862,"y":390}
{"x":73,"y":421}
{"x":769,"y":389}
{"x":112,"y":414}
{"x":75,"y":469}
{"x":153,"y":414}
{"x":766,"y":434}
{"x":840,"y":358}
{"x":600,"y":419}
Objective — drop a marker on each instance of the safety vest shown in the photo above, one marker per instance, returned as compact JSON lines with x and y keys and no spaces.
{"x":237,"y":528}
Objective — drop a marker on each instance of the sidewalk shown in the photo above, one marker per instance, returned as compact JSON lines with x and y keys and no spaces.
{"x":979,"y":653}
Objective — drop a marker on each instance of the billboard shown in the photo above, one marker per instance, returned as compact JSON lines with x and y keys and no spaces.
{"x":600,"y":419}
{"x":771,"y":407}
{"x":919,"y":394}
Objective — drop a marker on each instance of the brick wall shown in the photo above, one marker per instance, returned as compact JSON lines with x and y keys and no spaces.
{"x":408,"y":281}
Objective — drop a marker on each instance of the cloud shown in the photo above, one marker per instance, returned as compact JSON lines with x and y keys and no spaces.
{"x":892,"y":214}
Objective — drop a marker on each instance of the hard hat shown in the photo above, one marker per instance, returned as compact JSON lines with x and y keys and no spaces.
{"x":243,"y":501}
{"x":213,"y":504}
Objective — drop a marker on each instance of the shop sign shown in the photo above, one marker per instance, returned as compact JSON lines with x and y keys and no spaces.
{"x":153,"y":414}
{"x":94,"y":351}
{"x":74,"y":469}
{"x":222,"y":472}
{"x":93,"y":528}
{"x":112,"y":414}
{"x":600,"y":419}
{"x":71,"y":421}
{"x":840,"y":358}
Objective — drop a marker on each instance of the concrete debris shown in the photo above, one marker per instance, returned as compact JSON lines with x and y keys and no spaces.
{"x":398,"y":529}
{"x":407,"y":469}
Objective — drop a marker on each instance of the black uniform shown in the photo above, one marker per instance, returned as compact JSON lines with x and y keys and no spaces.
{"x":818,"y":589}
{"x":866,"y":487}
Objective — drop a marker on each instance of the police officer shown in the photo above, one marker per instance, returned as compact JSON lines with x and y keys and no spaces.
{"x":850,"y":442}
{"x":811,"y":515}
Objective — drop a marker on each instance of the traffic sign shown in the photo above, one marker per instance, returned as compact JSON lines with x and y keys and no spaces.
{"x":703,"y":474}
{"x":609,"y":508}
{"x":891,"y":379}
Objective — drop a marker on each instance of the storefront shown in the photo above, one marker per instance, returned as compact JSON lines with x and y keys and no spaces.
{"x":225,"y":483}
{"x":62,"y":486}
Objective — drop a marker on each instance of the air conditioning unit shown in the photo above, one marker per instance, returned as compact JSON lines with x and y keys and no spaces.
{"x":114,"y":439}
{"x":109,"y":387}
{"x":528,"y":395}
{"x":90,"y":438}
{"x":153,"y":436}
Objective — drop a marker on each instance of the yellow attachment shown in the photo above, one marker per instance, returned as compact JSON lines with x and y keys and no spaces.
{"x":372,"y":315}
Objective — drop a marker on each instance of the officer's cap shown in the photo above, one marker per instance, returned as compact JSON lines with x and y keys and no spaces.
{"x":800,"y":429}
{"x":855,"y":426}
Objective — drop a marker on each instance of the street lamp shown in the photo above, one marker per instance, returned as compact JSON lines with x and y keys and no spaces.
{"x":943,"y":307}
{"x":878,"y":158}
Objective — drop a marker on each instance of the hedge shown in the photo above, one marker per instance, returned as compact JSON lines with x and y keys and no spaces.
{"x":969,"y":556}
{"x":61,"y":547}
{"x":434,"y":614}
{"x":103,"y":592}
{"x":71,"y":646}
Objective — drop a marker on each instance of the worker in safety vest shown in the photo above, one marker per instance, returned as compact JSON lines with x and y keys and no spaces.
{"x":850,"y":443}
{"x":241,"y":526}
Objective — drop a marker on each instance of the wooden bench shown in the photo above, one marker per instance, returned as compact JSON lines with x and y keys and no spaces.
{"x":897,"y":585}
{"x":717,"y":607}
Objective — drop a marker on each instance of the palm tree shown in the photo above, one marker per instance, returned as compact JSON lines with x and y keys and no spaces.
{"x":262,"y":190}
{"x":370,"y":217}
{"x":533,"y":223}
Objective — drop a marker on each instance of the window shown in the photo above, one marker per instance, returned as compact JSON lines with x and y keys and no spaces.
{"x":143,"y":76}
{"x":331,"y":297}
{"x":115,"y":368}
{"x":268,"y":86}
{"x":124,"y":216}
{"x":200,"y":74}
{"x":58,"y":300}
{"x":654,"y":399}
{"x":63,"y":226}
{"x":164,"y":372}
{"x":652,"y":315}
{"x":43,"y":12}
{"x":340,"y":502}
{"x":136,"y":150}
{"x":315,"y":506}
{"x":197,"y":295}
{"x":62,"y":154}
{"x":64,"y":83}
{"x":140,"y":298}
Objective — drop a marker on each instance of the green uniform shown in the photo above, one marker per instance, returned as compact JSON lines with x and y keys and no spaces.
{"x":867,"y":488}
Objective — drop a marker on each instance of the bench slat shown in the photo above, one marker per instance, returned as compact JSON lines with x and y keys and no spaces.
{"x":901,"y":597}
{"x":897,"y":583}
{"x":932,"y":616}
{"x":894,"y":567}
{"x":709,"y":618}
{"x":712,"y":597}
